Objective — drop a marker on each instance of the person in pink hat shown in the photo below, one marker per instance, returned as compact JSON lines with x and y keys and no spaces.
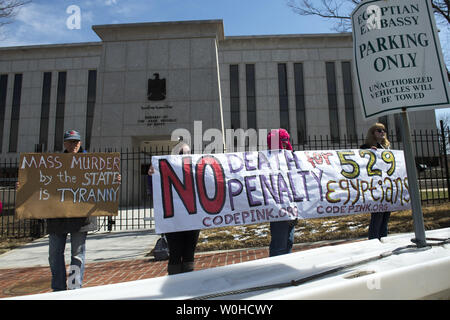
{"x":282,"y":232}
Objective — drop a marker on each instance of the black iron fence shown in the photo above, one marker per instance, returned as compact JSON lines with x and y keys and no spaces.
{"x":136,"y":207}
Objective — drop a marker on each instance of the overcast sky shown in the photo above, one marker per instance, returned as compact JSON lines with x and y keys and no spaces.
{"x":50,"y":22}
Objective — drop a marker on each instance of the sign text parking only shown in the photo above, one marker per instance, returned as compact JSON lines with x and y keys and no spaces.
{"x":397,"y":57}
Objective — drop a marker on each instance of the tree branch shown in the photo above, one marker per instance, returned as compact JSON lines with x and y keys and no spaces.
{"x":442,"y":8}
{"x":341,"y":9}
{"x":9,"y":8}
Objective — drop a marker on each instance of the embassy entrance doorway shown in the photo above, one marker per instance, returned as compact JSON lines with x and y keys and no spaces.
{"x":136,"y":202}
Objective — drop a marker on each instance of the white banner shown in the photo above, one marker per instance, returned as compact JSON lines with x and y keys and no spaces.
{"x":192,"y":192}
{"x":397,"y":57}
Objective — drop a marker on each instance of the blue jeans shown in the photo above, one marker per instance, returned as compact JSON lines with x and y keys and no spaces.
{"x":282,"y":233}
{"x":378,"y":226}
{"x":57,"y":244}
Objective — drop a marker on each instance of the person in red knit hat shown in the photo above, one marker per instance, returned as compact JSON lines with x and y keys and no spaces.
{"x":282,"y":232}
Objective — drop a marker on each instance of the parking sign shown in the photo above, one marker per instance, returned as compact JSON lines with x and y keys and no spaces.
{"x":397,"y":57}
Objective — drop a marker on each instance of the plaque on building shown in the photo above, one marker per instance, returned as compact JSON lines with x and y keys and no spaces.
{"x":156,"y":88}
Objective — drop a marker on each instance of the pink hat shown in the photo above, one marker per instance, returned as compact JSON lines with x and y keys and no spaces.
{"x":278,"y":139}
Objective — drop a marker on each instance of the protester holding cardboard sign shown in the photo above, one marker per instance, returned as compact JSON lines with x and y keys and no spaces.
{"x":58,"y":227}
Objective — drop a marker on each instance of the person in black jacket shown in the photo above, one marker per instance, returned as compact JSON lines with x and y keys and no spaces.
{"x":181,"y":244}
{"x":59,"y":228}
{"x":376,"y":139}
{"x":281,"y":232}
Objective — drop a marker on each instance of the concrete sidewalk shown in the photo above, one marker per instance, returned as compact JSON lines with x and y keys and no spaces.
{"x":112,"y":258}
{"x":101,"y":246}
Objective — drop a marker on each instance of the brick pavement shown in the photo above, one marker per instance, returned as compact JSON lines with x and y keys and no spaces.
{"x":24,"y":281}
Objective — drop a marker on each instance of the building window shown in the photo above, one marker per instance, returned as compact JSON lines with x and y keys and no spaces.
{"x":300,"y":102}
{"x":332,"y":101}
{"x":283,"y":96}
{"x":91,"y":94}
{"x":3,"y":91}
{"x":348,"y":100}
{"x":251,"y":96}
{"x":15,"y":113}
{"x":234,"y":97}
{"x":45,"y":111}
{"x":60,"y":106}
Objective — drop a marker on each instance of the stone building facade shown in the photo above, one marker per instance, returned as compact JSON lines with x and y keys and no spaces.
{"x":142,"y":82}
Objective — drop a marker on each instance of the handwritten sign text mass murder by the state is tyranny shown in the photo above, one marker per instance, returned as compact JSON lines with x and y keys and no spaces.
{"x":68,"y":185}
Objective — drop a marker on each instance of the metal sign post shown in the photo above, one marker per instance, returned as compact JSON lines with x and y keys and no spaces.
{"x":414,"y":193}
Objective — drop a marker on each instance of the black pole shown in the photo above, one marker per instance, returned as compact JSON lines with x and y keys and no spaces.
{"x":416,"y":206}
{"x":444,"y":150}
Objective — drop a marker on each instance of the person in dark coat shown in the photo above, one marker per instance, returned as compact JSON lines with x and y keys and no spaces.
{"x":376,"y":139}
{"x":282,"y":232}
{"x":59,"y":228}
{"x":181,"y":244}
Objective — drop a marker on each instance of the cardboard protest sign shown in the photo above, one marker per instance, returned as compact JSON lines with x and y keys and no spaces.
{"x":194,"y":192}
{"x":65,"y":185}
{"x":397,"y":57}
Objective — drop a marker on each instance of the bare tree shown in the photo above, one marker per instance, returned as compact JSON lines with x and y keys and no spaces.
{"x":337,"y":10}
{"x":442,"y":10}
{"x":443,"y":124}
{"x":9,"y":8}
{"x":341,"y":10}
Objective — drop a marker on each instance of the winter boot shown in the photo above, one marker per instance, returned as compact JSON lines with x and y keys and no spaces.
{"x":174,"y":268}
{"x":188,"y":266}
